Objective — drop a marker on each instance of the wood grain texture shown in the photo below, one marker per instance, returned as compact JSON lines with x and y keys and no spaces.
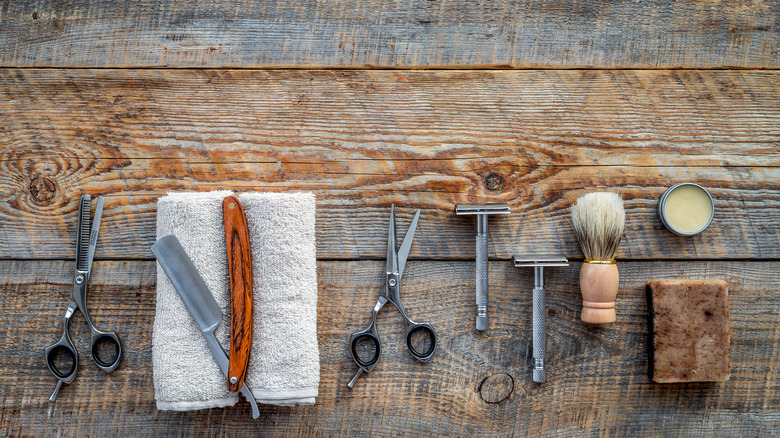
{"x":364,"y":140}
{"x":478,"y":384}
{"x":384,"y":33}
{"x":241,"y":290}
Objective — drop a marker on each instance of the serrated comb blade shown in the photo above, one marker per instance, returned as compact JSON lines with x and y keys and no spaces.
{"x":82,"y":245}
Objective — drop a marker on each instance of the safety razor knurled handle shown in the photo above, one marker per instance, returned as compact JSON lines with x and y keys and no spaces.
{"x":538,"y":327}
{"x":482,"y":282}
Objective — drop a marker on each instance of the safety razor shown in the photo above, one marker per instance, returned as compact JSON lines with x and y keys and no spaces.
{"x":482,"y":211}
{"x":539,"y":262}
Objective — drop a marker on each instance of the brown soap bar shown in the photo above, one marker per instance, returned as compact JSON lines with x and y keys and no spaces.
{"x":690,"y":331}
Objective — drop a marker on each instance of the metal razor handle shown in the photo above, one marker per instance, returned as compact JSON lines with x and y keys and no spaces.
{"x":538,"y":326}
{"x":482,"y":279}
{"x":222,"y":361}
{"x":482,"y":211}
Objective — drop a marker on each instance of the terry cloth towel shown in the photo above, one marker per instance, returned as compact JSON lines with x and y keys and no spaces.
{"x":284,"y":367}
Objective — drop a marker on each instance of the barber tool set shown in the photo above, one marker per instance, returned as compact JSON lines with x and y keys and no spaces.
{"x":240,"y":265}
{"x":236,"y":309}
{"x":481,"y":211}
{"x":64,"y":350}
{"x":538,"y":262}
{"x":598,"y":220}
{"x":391,"y":291}
{"x":237,"y":274}
{"x":202,"y":306}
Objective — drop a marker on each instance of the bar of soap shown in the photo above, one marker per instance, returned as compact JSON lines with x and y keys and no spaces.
{"x":690,"y":331}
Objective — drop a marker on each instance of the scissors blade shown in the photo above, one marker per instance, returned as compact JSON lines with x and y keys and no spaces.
{"x":82,"y":240}
{"x":391,"y":265}
{"x":94,"y":232}
{"x":406,"y":245}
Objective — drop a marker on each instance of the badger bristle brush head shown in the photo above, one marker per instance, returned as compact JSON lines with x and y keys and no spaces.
{"x":598,"y":219}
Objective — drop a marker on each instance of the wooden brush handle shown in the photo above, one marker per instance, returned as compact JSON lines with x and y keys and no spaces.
{"x":240,"y":267}
{"x":599,"y":287}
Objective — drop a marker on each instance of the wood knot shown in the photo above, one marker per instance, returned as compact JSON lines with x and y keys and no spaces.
{"x":494,"y":182}
{"x":42,"y":189}
{"x":35,"y":15}
{"x":496,"y":388}
{"x":551,"y":311}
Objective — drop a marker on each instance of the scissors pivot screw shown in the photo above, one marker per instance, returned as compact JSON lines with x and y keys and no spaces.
{"x":233,"y":380}
{"x":80,"y":279}
{"x":392,"y":282}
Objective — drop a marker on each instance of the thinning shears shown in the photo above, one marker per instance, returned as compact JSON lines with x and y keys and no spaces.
{"x":86,"y":241}
{"x":394,"y":269}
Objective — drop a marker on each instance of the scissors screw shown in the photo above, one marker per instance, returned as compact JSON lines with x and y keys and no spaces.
{"x":233,"y":380}
{"x":80,"y":279}
{"x":391,"y":282}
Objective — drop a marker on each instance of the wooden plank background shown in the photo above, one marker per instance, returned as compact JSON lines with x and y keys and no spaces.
{"x":364,"y":140}
{"x":478,"y":384}
{"x":396,"y":34}
{"x":532,"y":103}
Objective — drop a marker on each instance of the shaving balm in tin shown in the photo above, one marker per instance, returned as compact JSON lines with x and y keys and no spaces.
{"x":686,"y":209}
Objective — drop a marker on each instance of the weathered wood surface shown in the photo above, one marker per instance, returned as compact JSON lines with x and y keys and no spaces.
{"x":364,"y":140}
{"x":478,"y":384}
{"x":746,"y":223}
{"x":372,"y":33}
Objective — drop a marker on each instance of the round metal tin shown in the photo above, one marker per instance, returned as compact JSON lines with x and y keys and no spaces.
{"x":662,"y":204}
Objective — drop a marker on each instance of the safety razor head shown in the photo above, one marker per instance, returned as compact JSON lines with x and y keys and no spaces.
{"x":539,"y":260}
{"x":477,"y":209}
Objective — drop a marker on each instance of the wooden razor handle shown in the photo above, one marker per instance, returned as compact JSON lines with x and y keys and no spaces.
{"x":240,"y":266}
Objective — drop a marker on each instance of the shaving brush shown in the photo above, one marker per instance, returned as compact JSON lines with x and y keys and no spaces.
{"x":598,"y":220}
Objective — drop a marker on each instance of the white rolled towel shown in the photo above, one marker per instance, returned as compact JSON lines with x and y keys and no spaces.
{"x":284,"y":366}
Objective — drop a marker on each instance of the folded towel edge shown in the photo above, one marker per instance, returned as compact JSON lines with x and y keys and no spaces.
{"x":289,"y":402}
{"x":194,"y":196}
{"x":196,"y":405}
{"x":288,"y":394}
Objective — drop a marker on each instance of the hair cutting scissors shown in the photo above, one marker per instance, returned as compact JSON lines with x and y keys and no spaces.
{"x":394,"y":269}
{"x":86,"y":240}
